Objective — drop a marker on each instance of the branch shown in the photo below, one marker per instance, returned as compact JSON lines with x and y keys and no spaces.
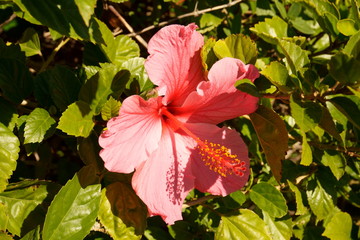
{"x":193,"y":13}
{"x":52,"y":55}
{"x":199,"y":201}
{"x":127,"y":25}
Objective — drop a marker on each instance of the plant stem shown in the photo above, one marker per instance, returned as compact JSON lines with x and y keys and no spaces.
{"x":52,"y":55}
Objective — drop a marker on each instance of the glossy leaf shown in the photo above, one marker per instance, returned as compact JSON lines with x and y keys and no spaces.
{"x":236,"y":46}
{"x":339,"y":227}
{"x":110,"y":109}
{"x":26,"y":204}
{"x":109,"y":80}
{"x":271,"y":30}
{"x":269,"y":199}
{"x":9,"y":150}
{"x":77,"y":120}
{"x":272,"y":133}
{"x":347,"y":27}
{"x":277,"y":75}
{"x":122,"y":212}
{"x":39,"y":125}
{"x":30,"y":42}
{"x":335,"y":161}
{"x":245,"y":225}
{"x":279,"y":229}
{"x":73,"y":211}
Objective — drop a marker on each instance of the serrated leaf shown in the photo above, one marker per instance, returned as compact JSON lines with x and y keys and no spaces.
{"x":277,"y":75}
{"x":273,"y":136}
{"x":9,"y":150}
{"x":336,"y":161}
{"x":77,"y":120}
{"x":137,"y":70}
{"x":296,"y":57}
{"x":300,"y":208}
{"x":39,"y":125}
{"x":345,"y":69}
{"x":279,"y":229}
{"x":245,"y":225}
{"x":348,"y":105}
{"x":59,"y":84}
{"x":26,"y":204}
{"x":306,"y":152}
{"x":110,"y":109}
{"x":271,"y":30}
{"x":339,"y":227}
{"x":269,"y":199}
{"x":73,"y":211}
{"x":8,"y":114}
{"x":346,"y":27}
{"x":86,"y":9}
{"x":237,"y":46}
{"x":121,"y":212}
{"x":109,"y":80}
{"x":30,"y":42}
{"x":307,"y":114}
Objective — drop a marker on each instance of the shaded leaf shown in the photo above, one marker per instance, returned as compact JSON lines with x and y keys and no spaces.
{"x":339,"y":227}
{"x":307,"y":114}
{"x":209,"y":22}
{"x":327,"y":123}
{"x":208,"y":56}
{"x":269,"y":199}
{"x":39,"y":125}
{"x":89,"y":149}
{"x":272,"y":133}
{"x":73,"y":211}
{"x":300,"y":208}
{"x":86,"y":9}
{"x":8,"y":114}
{"x":247,"y":86}
{"x":137,"y":70}
{"x":277,"y":75}
{"x":33,"y":234}
{"x":9,"y":150}
{"x":352,"y":47}
{"x":237,"y":46}
{"x":110,"y":109}
{"x":345,"y":69}
{"x":77,"y":120}
{"x":245,"y":225}
{"x":30,"y":42}
{"x":122,"y":212}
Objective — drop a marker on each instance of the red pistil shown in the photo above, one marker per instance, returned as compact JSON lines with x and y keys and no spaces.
{"x":216,"y":156}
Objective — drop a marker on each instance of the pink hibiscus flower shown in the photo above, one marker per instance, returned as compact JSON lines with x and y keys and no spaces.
{"x":172,"y":141}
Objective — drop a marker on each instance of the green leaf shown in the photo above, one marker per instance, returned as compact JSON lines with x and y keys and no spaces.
{"x":300,"y":208}
{"x":39,"y":125}
{"x":59,"y":84}
{"x":345,"y":69}
{"x":88,"y":149}
{"x":73,"y":211}
{"x":278,"y":229}
{"x":245,"y":225}
{"x":320,"y":201}
{"x":208,"y":56}
{"x":348,"y":105}
{"x":209,"y":22}
{"x":121,"y":212}
{"x":4,"y":236}
{"x":110,"y":109}
{"x":237,"y":46}
{"x":26,"y":204}
{"x":352,"y":47}
{"x":307,"y":114}
{"x":271,"y":30}
{"x":278,"y":75}
{"x":77,"y":120}
{"x":30,"y":43}
{"x":306,"y":152}
{"x":8,"y":114}
{"x":269,"y":199}
{"x":33,"y":234}
{"x":86,"y":9}
{"x":339,"y":227}
{"x":336,"y":161}
{"x":247,"y":86}
{"x":347,"y":27}
{"x":4,"y":218}
{"x":273,"y":136}
{"x":137,"y":70}
{"x":296,"y":58}
{"x":9,"y":153}
{"x":327,"y":123}
{"x":110,"y":80}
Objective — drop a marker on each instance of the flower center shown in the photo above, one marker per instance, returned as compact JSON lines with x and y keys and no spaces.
{"x":216,"y":156}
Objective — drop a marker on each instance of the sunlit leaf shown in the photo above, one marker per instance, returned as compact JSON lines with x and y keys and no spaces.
{"x":307,"y":114}
{"x":208,"y":56}
{"x":30,"y":42}
{"x":208,"y":22}
{"x":271,"y":30}
{"x":306,"y":152}
{"x":137,"y":70}
{"x":279,"y":229}
{"x":278,"y":75}
{"x":77,"y":120}
{"x":339,"y":227}
{"x":9,"y":150}
{"x":273,"y":136}
{"x":296,"y":57}
{"x":335,"y":161}
{"x":39,"y":125}
{"x":244,"y":225}
{"x":269,"y":199}
{"x":86,"y":9}
{"x":347,"y":27}
{"x":73,"y":211}
{"x":110,"y":109}
{"x":300,"y":208}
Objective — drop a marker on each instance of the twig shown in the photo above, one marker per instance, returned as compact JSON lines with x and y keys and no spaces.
{"x":198,"y":201}
{"x":52,"y":55}
{"x":12,"y":17}
{"x":127,"y":25}
{"x":193,"y":13}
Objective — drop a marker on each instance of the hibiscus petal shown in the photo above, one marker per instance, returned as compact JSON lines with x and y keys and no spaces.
{"x":218,"y":100}
{"x":164,"y":180}
{"x":174,"y":64}
{"x":208,"y":180}
{"x":131,"y":137}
